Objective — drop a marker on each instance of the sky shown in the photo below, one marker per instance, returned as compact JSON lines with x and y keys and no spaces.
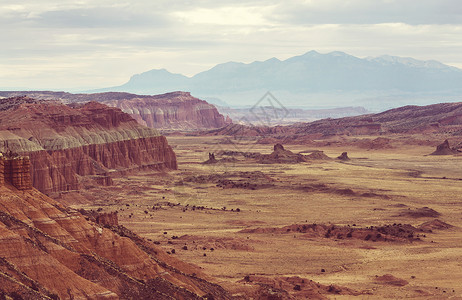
{"x":80,"y":45}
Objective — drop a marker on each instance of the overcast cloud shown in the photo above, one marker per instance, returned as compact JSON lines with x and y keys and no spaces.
{"x":48,"y":44}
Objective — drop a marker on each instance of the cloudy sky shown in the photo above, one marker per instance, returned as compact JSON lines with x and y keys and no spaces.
{"x":72,"y":45}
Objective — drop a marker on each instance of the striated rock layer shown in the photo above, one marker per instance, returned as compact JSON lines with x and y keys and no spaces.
{"x":442,"y":118}
{"x":49,"y":251}
{"x":16,"y":171}
{"x":68,"y":141}
{"x":176,"y":110}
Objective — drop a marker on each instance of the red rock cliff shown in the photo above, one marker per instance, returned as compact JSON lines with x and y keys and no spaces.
{"x":16,"y":171}
{"x":177,"y":110}
{"x":65,"y":142}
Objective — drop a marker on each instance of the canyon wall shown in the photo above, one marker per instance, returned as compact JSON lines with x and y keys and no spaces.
{"x":15,"y":171}
{"x":177,"y":110}
{"x":65,"y":142}
{"x":170,"y":111}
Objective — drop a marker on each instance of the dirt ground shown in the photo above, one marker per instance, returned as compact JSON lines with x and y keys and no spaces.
{"x":201,"y":218}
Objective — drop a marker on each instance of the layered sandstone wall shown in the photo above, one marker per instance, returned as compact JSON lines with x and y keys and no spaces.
{"x":65,"y":142}
{"x":16,"y":171}
{"x":176,"y":110}
{"x":58,"y":170}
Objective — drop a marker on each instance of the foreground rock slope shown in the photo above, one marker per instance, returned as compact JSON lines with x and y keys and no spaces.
{"x":65,"y":142}
{"x":50,"y":251}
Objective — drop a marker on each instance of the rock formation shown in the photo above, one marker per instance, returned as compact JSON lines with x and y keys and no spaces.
{"x":211,"y":160}
{"x":107,"y":219}
{"x":68,"y":141}
{"x":2,"y":169}
{"x":50,"y":251}
{"x":15,"y":171}
{"x":343,"y":156}
{"x":391,"y":280}
{"x":176,"y":110}
{"x":444,"y":149}
{"x":317,"y":155}
{"x":280,"y":155}
{"x":443,"y":118}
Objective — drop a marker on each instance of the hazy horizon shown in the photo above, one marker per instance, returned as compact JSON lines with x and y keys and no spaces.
{"x":83,"y":45}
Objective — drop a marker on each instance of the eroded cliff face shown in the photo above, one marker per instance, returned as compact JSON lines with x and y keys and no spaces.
{"x":65,"y":142}
{"x":176,"y":110}
{"x":48,"y":250}
{"x":15,"y":171}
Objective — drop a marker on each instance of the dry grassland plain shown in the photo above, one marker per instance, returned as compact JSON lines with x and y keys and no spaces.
{"x":202,"y":218}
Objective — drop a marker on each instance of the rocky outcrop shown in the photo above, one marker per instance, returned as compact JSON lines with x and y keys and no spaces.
{"x":15,"y":171}
{"x":211,"y":160}
{"x":2,"y":169}
{"x":317,"y":155}
{"x":343,"y":156}
{"x":176,"y":110}
{"x":281,"y":155}
{"x":68,"y":141}
{"x":444,"y":149}
{"x":443,"y":118}
{"x":108,"y":219}
{"x":50,"y":251}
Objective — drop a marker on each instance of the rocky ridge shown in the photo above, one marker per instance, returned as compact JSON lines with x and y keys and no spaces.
{"x":41,"y":241}
{"x":175,"y":110}
{"x":442,"y":118}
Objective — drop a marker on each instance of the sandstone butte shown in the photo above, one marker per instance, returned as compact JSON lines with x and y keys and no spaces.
{"x":64,"y":142}
{"x":49,"y":251}
{"x":175,"y":110}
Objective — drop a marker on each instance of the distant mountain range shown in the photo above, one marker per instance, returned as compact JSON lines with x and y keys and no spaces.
{"x":313,"y":80}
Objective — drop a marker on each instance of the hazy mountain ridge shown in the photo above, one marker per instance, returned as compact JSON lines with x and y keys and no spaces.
{"x":307,"y":75}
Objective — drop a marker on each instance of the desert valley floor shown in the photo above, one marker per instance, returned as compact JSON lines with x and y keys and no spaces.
{"x":343,"y":224}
